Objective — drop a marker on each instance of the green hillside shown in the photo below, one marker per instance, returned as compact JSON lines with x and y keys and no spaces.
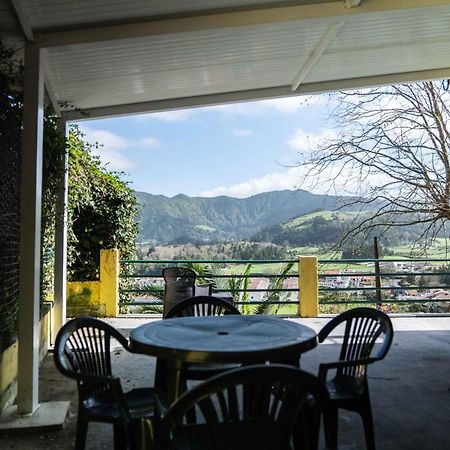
{"x":183,"y":219}
{"x":306,"y":220}
{"x":302,"y":221}
{"x":325,"y":227}
{"x":320,"y":227}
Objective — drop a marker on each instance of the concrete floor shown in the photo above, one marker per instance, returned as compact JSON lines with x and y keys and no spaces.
{"x":410,"y":391}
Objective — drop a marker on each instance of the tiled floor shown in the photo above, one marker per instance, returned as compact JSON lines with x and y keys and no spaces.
{"x":410,"y":391}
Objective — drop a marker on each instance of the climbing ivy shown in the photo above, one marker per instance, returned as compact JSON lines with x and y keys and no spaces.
{"x":11,"y":106}
{"x":52,"y":173}
{"x":102,"y":210}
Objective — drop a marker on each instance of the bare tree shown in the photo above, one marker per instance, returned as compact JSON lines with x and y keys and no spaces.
{"x":391,"y":150}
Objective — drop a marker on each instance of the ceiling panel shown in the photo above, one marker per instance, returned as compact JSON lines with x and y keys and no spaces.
{"x":382,"y":61}
{"x":394,"y":43}
{"x":9,"y":26}
{"x":230,"y":57}
{"x":199,"y":63}
{"x":397,"y":28}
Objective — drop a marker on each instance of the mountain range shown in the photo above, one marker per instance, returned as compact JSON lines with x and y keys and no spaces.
{"x":182,"y":219}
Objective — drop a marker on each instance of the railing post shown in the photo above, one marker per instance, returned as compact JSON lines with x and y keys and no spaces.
{"x":109,"y":281}
{"x":308,"y":284}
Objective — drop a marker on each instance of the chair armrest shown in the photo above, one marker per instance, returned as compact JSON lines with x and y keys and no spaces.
{"x":325,"y":367}
{"x":327,"y":329}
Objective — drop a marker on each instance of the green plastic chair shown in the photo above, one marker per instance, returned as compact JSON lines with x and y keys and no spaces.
{"x":259,"y":407}
{"x":83,"y":353}
{"x":349,"y":389}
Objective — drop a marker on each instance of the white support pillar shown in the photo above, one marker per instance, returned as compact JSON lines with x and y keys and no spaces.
{"x":60,"y":269}
{"x":30,"y":231}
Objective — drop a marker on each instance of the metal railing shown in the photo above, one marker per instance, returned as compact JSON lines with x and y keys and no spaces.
{"x":333,"y":289}
{"x":211,"y":276}
{"x":441,"y":268}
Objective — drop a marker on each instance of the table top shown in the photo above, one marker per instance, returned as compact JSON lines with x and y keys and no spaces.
{"x":222,"y":339}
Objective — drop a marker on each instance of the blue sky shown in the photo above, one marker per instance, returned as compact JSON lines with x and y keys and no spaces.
{"x":239,"y":149}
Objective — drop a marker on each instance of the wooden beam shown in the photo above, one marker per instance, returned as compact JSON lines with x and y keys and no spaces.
{"x":254,"y":94}
{"x":326,"y":40}
{"x":225,"y":19}
{"x":23,"y":19}
{"x":29,"y":36}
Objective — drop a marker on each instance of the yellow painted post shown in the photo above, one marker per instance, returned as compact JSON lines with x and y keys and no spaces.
{"x":308,"y":284}
{"x":109,"y":281}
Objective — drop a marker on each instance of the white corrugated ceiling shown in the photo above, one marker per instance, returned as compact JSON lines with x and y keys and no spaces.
{"x":105,"y":57}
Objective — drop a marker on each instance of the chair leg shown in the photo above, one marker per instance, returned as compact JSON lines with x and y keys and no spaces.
{"x":142,"y":434}
{"x":330,"y":425}
{"x":120,"y":437}
{"x":82,"y":428}
{"x":366,"y":416}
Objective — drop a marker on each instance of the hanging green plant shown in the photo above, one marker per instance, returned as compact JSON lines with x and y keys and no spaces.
{"x":102,"y":211}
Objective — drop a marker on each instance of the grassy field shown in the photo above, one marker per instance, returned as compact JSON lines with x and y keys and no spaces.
{"x":400,"y":252}
{"x":302,"y":221}
{"x":440,"y":249}
{"x":308,"y":251}
{"x":267,"y":269}
{"x":205,"y":228}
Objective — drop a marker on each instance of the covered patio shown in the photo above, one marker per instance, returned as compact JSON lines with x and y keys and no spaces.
{"x":410,"y":390}
{"x":93,"y":59}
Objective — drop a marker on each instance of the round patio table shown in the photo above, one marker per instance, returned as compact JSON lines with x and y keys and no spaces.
{"x":219,"y":339}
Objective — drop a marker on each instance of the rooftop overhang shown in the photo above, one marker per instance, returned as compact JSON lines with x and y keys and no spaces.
{"x":104,"y":57}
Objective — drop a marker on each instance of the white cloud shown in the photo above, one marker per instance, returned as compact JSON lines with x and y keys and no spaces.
{"x":110,"y":141}
{"x":240,"y":132}
{"x":305,"y":142}
{"x":112,"y":147}
{"x":288,"y":179}
{"x":177,"y":115}
{"x":293,"y":104}
{"x":285,"y":105}
{"x":336,"y":180}
{"x":148,"y":142}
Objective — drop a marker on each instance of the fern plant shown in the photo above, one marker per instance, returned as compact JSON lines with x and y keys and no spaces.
{"x":275,"y":283}
{"x":238,"y":287}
